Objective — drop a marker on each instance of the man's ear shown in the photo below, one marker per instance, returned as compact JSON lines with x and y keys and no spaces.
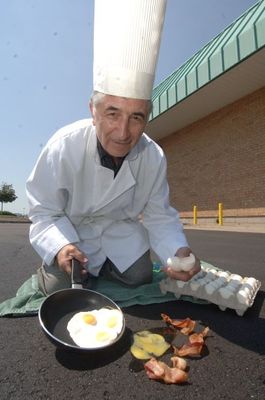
{"x":92,"y":111}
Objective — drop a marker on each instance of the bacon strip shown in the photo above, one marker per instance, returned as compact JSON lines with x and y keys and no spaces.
{"x":194,"y":346}
{"x":199,"y":337}
{"x":158,"y":370}
{"x":188,"y":350}
{"x":186,"y":326}
{"x":178,"y":362}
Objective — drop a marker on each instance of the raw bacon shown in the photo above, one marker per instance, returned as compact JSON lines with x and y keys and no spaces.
{"x":186,"y":326}
{"x":178,"y":362}
{"x":196,"y":340}
{"x":158,"y":370}
{"x":194,"y":346}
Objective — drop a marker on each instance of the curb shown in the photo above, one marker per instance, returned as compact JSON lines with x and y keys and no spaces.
{"x":6,"y":221}
{"x":231,"y":228}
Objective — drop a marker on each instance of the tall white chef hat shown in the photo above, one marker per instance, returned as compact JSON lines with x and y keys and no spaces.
{"x":126,"y":44}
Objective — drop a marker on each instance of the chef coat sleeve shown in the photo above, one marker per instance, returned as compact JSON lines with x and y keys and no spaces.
{"x":161,"y":220}
{"x":47,"y":195}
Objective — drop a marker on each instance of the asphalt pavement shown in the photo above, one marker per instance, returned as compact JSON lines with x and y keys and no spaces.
{"x":232,"y":365}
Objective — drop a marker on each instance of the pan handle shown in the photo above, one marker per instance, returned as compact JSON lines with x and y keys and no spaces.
{"x":76,"y":280}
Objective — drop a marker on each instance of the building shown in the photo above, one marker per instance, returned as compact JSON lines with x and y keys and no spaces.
{"x":209,"y":117}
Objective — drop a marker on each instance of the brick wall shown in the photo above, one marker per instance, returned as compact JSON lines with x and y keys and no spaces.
{"x":220,"y":158}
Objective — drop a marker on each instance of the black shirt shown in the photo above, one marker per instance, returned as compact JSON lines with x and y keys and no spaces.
{"x":108,"y":161}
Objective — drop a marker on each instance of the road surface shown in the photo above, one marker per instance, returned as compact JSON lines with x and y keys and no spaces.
{"x":232,"y":367}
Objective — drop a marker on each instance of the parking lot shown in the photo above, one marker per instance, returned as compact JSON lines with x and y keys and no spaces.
{"x":232,"y":365}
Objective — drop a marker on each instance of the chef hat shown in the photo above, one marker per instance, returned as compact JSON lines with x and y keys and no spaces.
{"x":126,"y":44}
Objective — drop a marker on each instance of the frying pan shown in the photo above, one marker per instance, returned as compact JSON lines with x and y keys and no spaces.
{"x":59,"y":307}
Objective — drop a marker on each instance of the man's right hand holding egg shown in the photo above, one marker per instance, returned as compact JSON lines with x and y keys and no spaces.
{"x":183,"y":266}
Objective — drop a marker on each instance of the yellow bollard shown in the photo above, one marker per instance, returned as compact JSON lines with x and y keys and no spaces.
{"x":194,"y":215}
{"x":220,"y":213}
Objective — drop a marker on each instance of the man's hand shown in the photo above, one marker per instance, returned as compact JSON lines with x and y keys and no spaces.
{"x":182,"y":275}
{"x":66,"y":254}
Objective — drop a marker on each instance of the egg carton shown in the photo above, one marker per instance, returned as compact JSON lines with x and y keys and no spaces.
{"x":223,"y":288}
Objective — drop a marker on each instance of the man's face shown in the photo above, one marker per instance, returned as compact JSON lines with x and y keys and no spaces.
{"x":119,"y":123}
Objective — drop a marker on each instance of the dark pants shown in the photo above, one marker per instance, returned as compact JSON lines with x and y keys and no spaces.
{"x":51,"y":278}
{"x":139,"y":273}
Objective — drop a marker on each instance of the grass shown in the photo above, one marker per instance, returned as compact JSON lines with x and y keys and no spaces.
{"x":7,"y":213}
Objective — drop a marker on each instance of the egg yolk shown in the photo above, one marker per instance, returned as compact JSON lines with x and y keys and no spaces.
{"x":102,"y":336}
{"x":147,"y":345}
{"x":89,"y":319}
{"x":112,"y":321}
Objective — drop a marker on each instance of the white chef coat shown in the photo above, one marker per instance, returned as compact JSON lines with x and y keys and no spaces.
{"x":74,"y":199}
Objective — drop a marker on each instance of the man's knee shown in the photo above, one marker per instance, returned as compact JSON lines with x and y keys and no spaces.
{"x":51,"y":279}
{"x":141,"y":272}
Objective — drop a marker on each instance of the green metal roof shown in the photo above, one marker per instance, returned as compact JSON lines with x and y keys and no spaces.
{"x":242,"y":38}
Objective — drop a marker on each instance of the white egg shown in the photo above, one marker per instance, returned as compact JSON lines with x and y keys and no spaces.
{"x":174,"y":263}
{"x":223,"y":274}
{"x":96,"y":328}
{"x":181,"y":263}
{"x":252,"y":282}
{"x":187,"y":263}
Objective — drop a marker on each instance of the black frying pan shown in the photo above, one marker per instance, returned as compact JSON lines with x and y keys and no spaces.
{"x":58,"y":308}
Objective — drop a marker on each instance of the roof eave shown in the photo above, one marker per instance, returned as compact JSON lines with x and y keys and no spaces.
{"x":241,"y":80}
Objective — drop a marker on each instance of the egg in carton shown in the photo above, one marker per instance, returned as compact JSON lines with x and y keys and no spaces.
{"x":223,"y":288}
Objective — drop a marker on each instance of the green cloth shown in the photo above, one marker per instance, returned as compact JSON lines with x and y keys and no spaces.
{"x":28,"y":298}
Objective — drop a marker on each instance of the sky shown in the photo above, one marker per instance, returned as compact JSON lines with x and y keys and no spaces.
{"x":46,"y":62}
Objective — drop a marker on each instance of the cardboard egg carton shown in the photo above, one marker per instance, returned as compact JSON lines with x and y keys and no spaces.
{"x":222,"y":288}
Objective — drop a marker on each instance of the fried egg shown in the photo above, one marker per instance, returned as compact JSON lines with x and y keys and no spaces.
{"x":96,"y":328}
